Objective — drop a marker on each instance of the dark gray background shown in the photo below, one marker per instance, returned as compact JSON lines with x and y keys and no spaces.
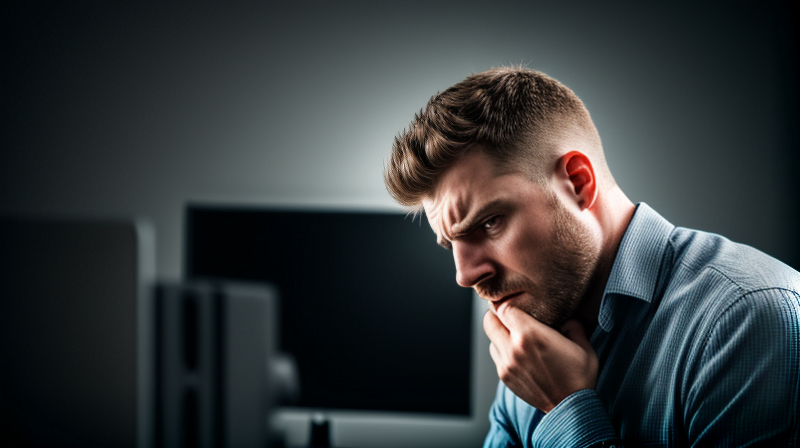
{"x":129,"y":109}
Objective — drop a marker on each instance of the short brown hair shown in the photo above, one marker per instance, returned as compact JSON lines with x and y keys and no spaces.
{"x":511,"y":113}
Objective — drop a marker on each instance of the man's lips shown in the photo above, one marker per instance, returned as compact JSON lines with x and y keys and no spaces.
{"x":495,"y":304}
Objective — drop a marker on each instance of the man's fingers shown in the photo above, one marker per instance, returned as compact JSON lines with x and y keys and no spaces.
{"x":494,"y":328}
{"x":514,"y":318}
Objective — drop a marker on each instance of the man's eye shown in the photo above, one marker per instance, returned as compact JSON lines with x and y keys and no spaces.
{"x":491,"y":224}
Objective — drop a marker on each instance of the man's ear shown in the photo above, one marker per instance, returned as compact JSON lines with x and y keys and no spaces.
{"x":582,"y":182}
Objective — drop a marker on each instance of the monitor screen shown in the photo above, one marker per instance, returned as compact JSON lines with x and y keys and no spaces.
{"x":369,"y":305}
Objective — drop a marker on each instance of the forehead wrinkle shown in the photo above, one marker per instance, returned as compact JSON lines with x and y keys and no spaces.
{"x":454,"y":215}
{"x":479,"y":212}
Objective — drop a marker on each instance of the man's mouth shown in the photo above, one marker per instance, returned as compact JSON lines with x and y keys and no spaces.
{"x":495,"y":304}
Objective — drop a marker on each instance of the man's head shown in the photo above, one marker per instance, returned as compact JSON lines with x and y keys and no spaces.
{"x":504,"y":164}
{"x":522,"y":119}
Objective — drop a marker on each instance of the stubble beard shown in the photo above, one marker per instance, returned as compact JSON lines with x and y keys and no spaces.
{"x":566,"y":275}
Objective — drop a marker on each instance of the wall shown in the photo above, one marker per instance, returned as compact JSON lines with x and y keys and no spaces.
{"x":125,"y":109}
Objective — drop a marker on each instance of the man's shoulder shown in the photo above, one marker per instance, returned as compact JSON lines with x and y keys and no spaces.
{"x":716,"y":285}
{"x":708,"y":260}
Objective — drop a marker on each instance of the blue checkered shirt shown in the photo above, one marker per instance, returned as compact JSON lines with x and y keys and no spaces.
{"x":699,"y":345}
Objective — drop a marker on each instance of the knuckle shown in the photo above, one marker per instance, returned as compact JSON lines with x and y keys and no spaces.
{"x":534,"y":343}
{"x":517,"y":340}
{"x":522,"y":344}
{"x":518,"y":351}
{"x":504,"y":374}
{"x":509,"y":369}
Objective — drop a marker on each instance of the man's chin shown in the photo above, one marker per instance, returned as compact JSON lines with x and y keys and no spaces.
{"x":553,"y":321}
{"x":525,"y":302}
{"x":540,"y":317}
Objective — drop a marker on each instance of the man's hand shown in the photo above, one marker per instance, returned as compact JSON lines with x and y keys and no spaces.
{"x":539,"y":364}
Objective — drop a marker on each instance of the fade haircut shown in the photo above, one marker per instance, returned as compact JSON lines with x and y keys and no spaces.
{"x":517,"y":116}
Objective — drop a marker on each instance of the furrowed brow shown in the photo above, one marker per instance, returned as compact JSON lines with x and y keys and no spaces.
{"x":475,"y":219}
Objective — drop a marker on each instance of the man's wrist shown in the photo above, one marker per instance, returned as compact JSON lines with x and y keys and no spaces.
{"x":580,"y":420}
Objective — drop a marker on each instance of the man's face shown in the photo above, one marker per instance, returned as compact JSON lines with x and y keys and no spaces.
{"x":512,"y":239}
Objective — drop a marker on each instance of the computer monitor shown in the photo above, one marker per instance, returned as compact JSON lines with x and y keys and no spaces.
{"x":74,"y":329}
{"x":369,"y":309}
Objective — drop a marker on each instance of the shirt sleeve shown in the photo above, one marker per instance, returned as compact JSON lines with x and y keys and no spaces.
{"x":580,"y":421}
{"x":502,"y":430}
{"x":742,"y":387}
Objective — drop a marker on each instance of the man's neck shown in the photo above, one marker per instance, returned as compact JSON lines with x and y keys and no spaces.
{"x":614,"y":216}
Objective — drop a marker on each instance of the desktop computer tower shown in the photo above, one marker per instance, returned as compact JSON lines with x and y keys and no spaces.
{"x":218,"y":375}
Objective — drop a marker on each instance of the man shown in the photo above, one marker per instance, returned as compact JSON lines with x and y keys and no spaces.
{"x":608,"y":325}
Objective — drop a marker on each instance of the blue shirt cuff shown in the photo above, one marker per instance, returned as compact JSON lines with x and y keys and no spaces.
{"x":580,"y":420}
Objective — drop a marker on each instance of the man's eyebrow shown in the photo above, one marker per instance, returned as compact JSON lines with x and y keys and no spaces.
{"x":473,"y":220}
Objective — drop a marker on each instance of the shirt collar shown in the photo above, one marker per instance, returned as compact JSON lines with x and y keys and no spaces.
{"x":637,"y":266}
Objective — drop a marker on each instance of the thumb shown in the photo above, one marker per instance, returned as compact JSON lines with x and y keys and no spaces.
{"x":573,"y":330}
{"x":516,"y":319}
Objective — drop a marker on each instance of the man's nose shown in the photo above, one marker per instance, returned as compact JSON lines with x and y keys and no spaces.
{"x":472,"y":264}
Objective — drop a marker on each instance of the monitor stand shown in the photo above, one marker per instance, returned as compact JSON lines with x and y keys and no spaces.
{"x":320,"y":431}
